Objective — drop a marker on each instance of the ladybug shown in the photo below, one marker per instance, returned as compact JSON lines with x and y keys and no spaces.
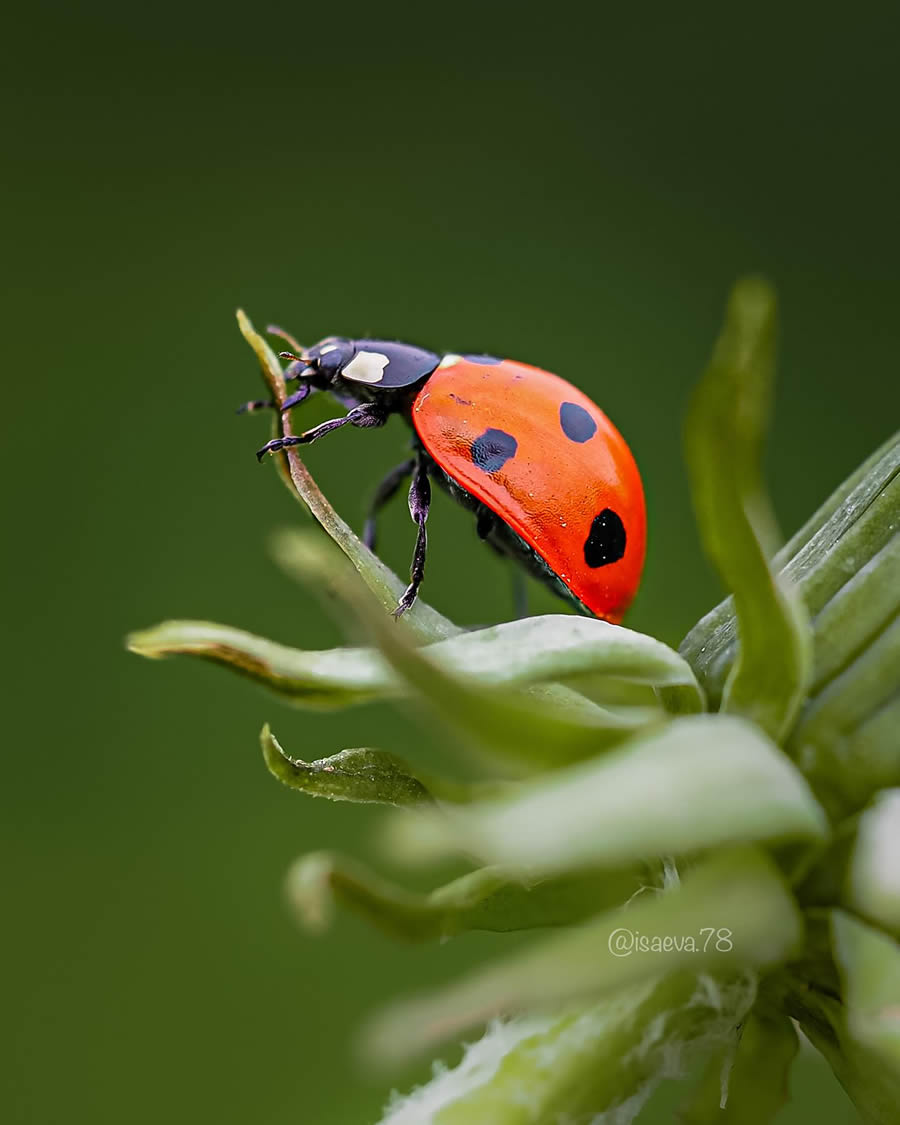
{"x":550,"y":479}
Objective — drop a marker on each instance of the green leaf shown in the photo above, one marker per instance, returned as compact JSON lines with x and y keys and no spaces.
{"x":857,"y":614}
{"x":539,"y":727}
{"x":730,"y":913}
{"x":422,"y":621}
{"x":561,"y":647}
{"x":873,"y":884}
{"x":872,"y":1087}
{"x":846,"y":738}
{"x":696,"y":783}
{"x":848,"y":532}
{"x":869,"y":964}
{"x":330,"y":678}
{"x":515,"y":654}
{"x":747,"y":1083}
{"x":492,"y":898}
{"x":868,"y":760}
{"x":600,"y":1063}
{"x":851,"y":498}
{"x":360,"y":774}
{"x":723,"y":445}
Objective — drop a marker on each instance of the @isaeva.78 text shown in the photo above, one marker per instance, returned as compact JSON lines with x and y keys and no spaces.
{"x":623,"y":942}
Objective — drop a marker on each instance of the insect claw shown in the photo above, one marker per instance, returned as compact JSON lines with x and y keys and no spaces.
{"x":270,"y":447}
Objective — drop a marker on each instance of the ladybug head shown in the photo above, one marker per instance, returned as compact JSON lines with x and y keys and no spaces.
{"x":330,"y":356}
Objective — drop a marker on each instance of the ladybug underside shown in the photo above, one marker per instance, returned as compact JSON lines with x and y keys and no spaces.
{"x":549,"y":478}
{"x":494,"y":531}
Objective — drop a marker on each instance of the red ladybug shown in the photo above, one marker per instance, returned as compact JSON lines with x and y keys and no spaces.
{"x":550,"y":479}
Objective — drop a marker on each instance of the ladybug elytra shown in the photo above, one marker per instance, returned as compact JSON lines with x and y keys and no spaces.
{"x":550,"y":479}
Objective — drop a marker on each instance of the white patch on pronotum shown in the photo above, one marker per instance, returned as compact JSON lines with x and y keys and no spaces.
{"x":366,"y":367}
{"x":449,"y":361}
{"x":328,"y":348}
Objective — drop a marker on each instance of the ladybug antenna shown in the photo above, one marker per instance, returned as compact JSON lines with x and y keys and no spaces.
{"x":297,"y":368}
{"x":274,"y":330}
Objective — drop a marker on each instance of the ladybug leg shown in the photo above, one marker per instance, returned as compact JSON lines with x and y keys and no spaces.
{"x":369,"y":414}
{"x":485,"y":523}
{"x":385,"y":491}
{"x":419,"y":501}
{"x":294,"y":399}
{"x":297,"y":397}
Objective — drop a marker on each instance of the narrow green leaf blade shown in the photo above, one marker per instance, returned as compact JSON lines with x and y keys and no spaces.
{"x":330,"y":678}
{"x":496,"y":899}
{"x":846,"y":737}
{"x":723,"y":445}
{"x":872,"y":1087}
{"x":730,"y":913}
{"x":514,"y":654}
{"x":857,"y":524}
{"x":747,"y":1083}
{"x":699,"y":782}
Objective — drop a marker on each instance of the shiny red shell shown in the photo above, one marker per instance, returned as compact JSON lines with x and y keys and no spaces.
{"x":553,"y":488}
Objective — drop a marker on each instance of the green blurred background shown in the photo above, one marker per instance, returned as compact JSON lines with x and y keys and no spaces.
{"x":576,"y":189}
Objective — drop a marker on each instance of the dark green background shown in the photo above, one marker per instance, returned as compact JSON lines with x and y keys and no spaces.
{"x":575,"y":190}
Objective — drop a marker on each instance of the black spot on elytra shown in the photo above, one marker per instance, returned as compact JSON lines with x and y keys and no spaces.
{"x":606,"y":541}
{"x":461,"y":401}
{"x":487,"y":360}
{"x":576,"y":423}
{"x":493,"y":449}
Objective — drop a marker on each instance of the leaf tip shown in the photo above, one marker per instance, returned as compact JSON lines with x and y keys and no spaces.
{"x":279,"y":765}
{"x":142,"y":643}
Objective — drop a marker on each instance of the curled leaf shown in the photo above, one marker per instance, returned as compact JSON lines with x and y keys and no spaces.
{"x":492,"y":898}
{"x":330,"y":678}
{"x":723,"y":445}
{"x":697,"y":783}
{"x":361,"y":775}
{"x":730,"y":913}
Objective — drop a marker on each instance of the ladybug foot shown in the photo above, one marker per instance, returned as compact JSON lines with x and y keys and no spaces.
{"x":277,"y":444}
{"x":407,"y":601}
{"x":369,"y":414}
